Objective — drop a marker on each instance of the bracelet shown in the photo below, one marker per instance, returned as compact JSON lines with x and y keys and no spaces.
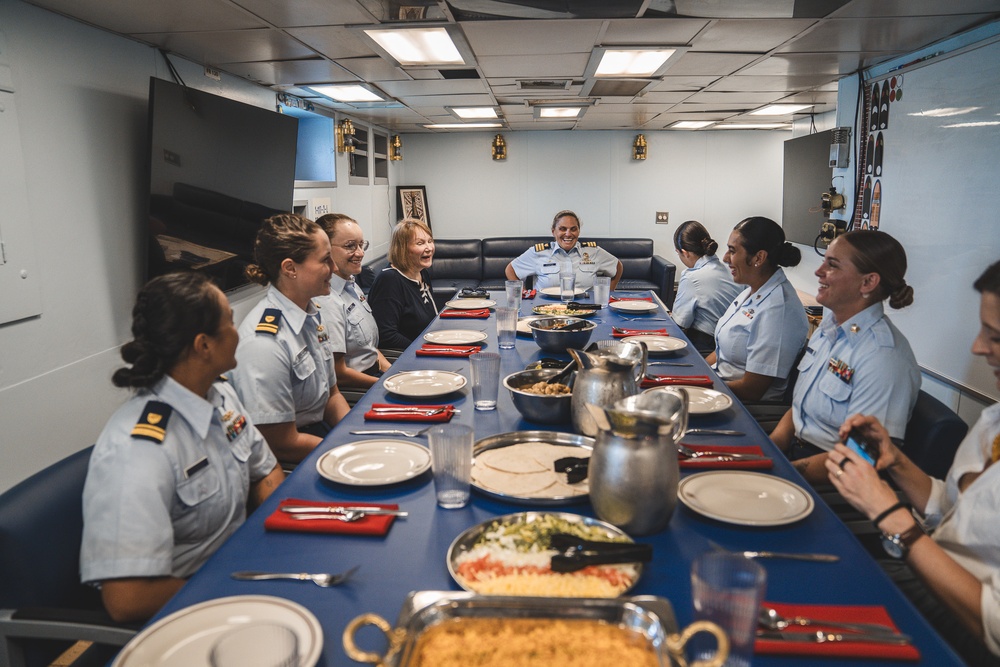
{"x":881,"y":517}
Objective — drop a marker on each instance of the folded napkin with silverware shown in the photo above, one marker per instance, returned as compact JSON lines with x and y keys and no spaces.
{"x":369,"y":524}
{"x":835,"y":642}
{"x":631,"y":298}
{"x":669,"y":380}
{"x":709,"y":460}
{"x":528,"y":293}
{"x":481,"y":313}
{"x":447,"y":351}
{"x":410,"y":413}
{"x":620,"y":332}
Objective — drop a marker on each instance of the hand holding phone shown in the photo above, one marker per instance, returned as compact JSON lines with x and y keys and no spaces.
{"x":857,"y":444}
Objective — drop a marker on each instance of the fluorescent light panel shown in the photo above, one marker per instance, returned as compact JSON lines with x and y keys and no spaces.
{"x":348,"y":93}
{"x":474,"y":112}
{"x":690,"y":124}
{"x":418,"y":46}
{"x":753,"y":126}
{"x":632,"y":62}
{"x":779,"y":109}
{"x":559,"y":112}
{"x":462,"y":126}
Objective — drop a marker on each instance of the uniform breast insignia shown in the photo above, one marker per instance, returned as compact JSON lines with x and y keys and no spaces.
{"x":841,"y":370}
{"x":234,"y":424}
{"x":541,"y":247}
{"x":269,"y":321}
{"x":589,"y":244}
{"x":322,"y":334}
{"x":748,"y":313}
{"x":153,"y":423}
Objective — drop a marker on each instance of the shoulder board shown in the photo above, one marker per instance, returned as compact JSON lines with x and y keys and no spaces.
{"x":269,"y":321}
{"x":153,"y":423}
{"x":222,"y":378}
{"x":541,"y":247}
{"x":589,"y":244}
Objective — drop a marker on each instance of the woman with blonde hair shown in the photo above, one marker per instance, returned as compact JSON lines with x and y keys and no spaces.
{"x":401,"y":297}
{"x":285,"y":375}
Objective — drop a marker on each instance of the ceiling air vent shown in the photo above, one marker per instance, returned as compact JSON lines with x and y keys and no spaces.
{"x":543,"y":84}
{"x":459,"y":73}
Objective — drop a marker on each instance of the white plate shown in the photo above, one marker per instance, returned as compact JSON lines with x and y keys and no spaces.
{"x":374,"y":462}
{"x":633,"y":306}
{"x":659,"y":344}
{"x":701,"y":400}
{"x":556,"y":292}
{"x":470,"y":304}
{"x":424,"y":384}
{"x":522,"y":324}
{"x":745,"y":498}
{"x":185,"y":638}
{"x":455,"y":336}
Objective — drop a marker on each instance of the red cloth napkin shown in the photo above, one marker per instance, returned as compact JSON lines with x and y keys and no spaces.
{"x":481,"y":313}
{"x":667,"y":380}
{"x":528,"y":294}
{"x":734,"y":449}
{"x":618,"y":332}
{"x":404,"y":413}
{"x":366,"y":525}
{"x":631,"y":298}
{"x":447,"y":351}
{"x":847,"y":613}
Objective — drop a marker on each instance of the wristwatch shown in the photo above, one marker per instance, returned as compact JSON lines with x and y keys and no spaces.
{"x":898,"y":546}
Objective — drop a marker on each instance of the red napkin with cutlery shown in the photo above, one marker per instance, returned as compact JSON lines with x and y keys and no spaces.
{"x":631,"y":298}
{"x":668,"y":380}
{"x":845,"y":613}
{"x":480,"y":314}
{"x":725,"y":449}
{"x":377,"y":524}
{"x":619,"y":332}
{"x":528,"y":294}
{"x":394,"y":412}
{"x":448,"y":351}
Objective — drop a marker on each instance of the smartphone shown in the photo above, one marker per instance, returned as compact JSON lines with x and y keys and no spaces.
{"x":861,"y":447}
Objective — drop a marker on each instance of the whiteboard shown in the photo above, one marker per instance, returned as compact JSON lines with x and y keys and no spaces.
{"x":940,"y":190}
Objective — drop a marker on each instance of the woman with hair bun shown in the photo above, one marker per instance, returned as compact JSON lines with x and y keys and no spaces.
{"x":857,"y":361}
{"x":705,"y":289}
{"x":759,"y":337}
{"x":286,"y":373}
{"x":173,"y":469}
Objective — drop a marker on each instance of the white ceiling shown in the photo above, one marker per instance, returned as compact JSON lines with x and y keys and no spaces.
{"x":742,"y":54}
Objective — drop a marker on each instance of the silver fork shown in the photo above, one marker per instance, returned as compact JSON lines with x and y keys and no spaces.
{"x":426,"y":412}
{"x":324,"y":579}
{"x":394,"y":431}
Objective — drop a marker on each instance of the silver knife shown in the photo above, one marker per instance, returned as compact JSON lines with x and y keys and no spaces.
{"x":824,"y":637}
{"x":816,"y":558}
{"x":722,"y":457}
{"x":340,"y":509}
{"x":712,"y":431}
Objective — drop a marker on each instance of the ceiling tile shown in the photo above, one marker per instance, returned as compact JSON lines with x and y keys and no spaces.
{"x":292,"y":72}
{"x":902,"y":8}
{"x":878,"y":35}
{"x":449,"y":101}
{"x":677,"y":31}
{"x":665,"y":98}
{"x":750,"y":36}
{"x":439,"y":87}
{"x":231,"y":46}
{"x":142,"y":16}
{"x":373,"y":69}
{"x":522,"y":67}
{"x":745,"y":99}
{"x":768,"y":83}
{"x":711,"y":63}
{"x":500,"y":38}
{"x":291,"y":13}
{"x":676,"y":83}
{"x":800,"y":64}
{"x":334,"y":41}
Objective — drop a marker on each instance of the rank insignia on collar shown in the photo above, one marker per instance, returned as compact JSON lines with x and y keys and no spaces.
{"x":841,"y":370}
{"x":269,"y":321}
{"x":541,"y":247}
{"x":855,"y":328}
{"x":153,"y":423}
{"x":995,"y":453}
{"x":589,"y":244}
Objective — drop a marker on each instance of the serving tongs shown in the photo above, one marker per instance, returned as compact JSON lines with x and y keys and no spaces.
{"x":576,"y":468}
{"x":576,"y":553}
{"x":583,"y":306}
{"x":569,"y":368}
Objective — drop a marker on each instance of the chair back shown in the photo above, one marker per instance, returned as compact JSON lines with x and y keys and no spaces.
{"x":41,"y":527}
{"x":933,"y":435}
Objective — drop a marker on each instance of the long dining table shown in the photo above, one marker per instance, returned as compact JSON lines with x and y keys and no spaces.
{"x":412,"y":555}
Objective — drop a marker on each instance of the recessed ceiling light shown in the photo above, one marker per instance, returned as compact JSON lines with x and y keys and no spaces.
{"x":418,"y":46}
{"x":752,"y":126}
{"x":462,"y":126}
{"x":474,"y":112}
{"x":348,"y":93}
{"x":779,"y":109}
{"x":630,"y":62}
{"x":559,"y":112}
{"x":690,"y":124}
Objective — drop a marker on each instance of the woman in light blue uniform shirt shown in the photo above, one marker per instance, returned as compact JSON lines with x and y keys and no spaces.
{"x":761,"y":333}
{"x":174,"y":468}
{"x":353,"y":331}
{"x":285,"y":376}
{"x":705,"y":289}
{"x":857,"y":361}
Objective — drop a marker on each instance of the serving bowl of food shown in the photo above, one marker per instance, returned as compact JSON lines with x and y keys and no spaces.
{"x":538,"y":401}
{"x":557,"y":334}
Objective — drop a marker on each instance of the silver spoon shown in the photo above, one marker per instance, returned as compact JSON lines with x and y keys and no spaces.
{"x":769,"y":618}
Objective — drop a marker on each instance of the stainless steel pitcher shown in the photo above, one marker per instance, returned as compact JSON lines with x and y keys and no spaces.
{"x":633,"y":470}
{"x":603,"y":377}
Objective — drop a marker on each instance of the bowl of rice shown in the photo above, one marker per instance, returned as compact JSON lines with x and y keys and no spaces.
{"x":538,"y":401}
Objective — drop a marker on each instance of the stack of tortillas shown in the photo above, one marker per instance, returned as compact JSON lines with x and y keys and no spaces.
{"x":526,"y":470}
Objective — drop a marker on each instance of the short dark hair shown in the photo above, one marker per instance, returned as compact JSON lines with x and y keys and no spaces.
{"x":989,"y":281}
{"x":693,"y":237}
{"x":760,"y":233}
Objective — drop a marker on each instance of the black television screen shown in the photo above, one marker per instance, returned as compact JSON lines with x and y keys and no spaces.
{"x":806,"y":177}
{"x":217,"y":168}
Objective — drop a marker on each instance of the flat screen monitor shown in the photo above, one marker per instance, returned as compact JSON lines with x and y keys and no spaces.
{"x":807,"y":176}
{"x":217,"y":168}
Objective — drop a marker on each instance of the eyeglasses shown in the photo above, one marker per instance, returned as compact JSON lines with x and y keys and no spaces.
{"x":353,"y":246}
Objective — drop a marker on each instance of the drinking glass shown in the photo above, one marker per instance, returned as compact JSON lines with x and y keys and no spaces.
{"x":567,"y":287}
{"x":451,"y":463}
{"x":727,"y":590}
{"x":602,"y":290}
{"x":485,"y":379}
{"x":514,"y":290}
{"x":506,"y":327}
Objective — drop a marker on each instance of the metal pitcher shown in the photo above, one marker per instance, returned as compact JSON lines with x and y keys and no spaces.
{"x":633,"y":469}
{"x":603,"y":377}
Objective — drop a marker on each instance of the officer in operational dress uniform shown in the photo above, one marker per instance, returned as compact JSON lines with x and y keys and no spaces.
{"x":172,"y":471}
{"x":546,"y":261}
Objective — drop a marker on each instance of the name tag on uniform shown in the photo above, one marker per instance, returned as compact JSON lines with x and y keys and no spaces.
{"x":350,"y":308}
{"x":195,"y":467}
{"x":550,"y":267}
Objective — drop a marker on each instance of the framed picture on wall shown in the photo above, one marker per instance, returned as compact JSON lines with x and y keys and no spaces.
{"x":411,"y":202}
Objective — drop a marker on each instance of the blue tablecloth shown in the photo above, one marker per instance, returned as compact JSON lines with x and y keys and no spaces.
{"x":412,"y":555}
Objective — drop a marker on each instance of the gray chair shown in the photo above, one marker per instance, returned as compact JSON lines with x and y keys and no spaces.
{"x":44,"y":608}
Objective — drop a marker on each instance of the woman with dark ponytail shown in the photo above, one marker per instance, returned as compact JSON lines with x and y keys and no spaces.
{"x":286,"y":373}
{"x":172,"y":472}
{"x":761,"y":333}
{"x":857,"y":361}
{"x":705,"y":289}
